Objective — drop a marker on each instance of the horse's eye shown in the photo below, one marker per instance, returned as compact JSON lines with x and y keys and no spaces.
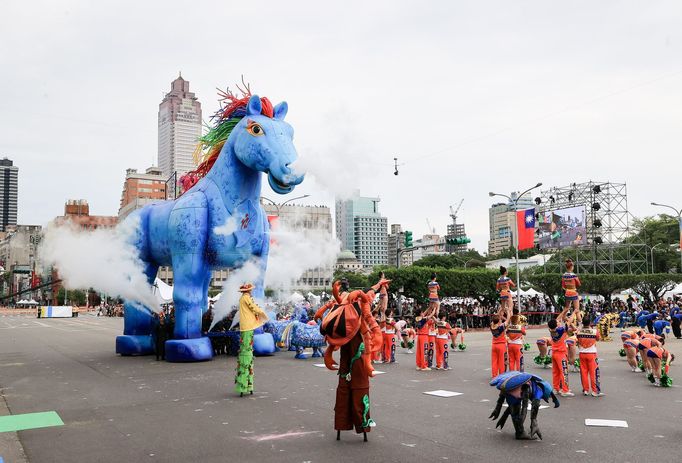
{"x":255,"y":130}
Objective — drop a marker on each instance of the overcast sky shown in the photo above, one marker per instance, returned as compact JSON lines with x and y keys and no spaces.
{"x":470,"y":96}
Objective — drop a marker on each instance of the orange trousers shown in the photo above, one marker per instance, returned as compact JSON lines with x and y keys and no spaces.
{"x":515,"y":357}
{"x":389,"y":347}
{"x":376,"y":355}
{"x":432,"y":351}
{"x":560,"y":371}
{"x":422,"y":350}
{"x":498,"y":351}
{"x":589,"y":372}
{"x":442,"y":353}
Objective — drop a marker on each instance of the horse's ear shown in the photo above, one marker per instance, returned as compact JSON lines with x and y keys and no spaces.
{"x":254,"y":107}
{"x":281,"y":110}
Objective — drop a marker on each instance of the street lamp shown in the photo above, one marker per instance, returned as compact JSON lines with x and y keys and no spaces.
{"x":516,"y":237}
{"x":679,"y":218}
{"x":279,"y":206}
{"x":652,"y":256}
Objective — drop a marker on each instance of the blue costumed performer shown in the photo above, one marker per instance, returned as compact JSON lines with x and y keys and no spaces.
{"x":518,"y":389}
{"x":250,"y":317}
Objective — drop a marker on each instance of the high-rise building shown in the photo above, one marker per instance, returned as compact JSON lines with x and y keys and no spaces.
{"x":362,"y":230}
{"x":396,"y":242}
{"x":502,"y":221}
{"x":179,"y":129}
{"x":313,"y":218}
{"x":428,"y":245}
{"x":9,"y":186}
{"x":140,"y":189}
{"x":19,"y":257}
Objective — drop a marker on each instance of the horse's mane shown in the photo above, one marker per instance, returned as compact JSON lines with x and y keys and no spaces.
{"x":232,"y":110}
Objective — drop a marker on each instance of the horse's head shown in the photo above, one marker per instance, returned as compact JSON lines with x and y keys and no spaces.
{"x":266,"y":144}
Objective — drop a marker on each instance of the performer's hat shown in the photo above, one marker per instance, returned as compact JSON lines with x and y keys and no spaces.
{"x":246,"y":287}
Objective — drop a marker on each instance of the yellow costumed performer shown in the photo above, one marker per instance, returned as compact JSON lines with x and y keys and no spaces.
{"x":250,"y":317}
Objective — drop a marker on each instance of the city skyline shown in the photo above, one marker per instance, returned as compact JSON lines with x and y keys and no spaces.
{"x":499,"y":115}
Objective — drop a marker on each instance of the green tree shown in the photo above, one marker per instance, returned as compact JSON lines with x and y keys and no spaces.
{"x":355,"y":280}
{"x":511,"y":254}
{"x":73,"y":297}
{"x":654,"y":286}
{"x":663,"y":232}
{"x":605,"y":285}
{"x":453,"y":282}
{"x":471,"y":258}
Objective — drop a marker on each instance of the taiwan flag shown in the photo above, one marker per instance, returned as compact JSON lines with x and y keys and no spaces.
{"x":525,"y":224}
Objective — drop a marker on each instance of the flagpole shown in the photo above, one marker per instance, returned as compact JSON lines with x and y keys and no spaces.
{"x":516,"y":239}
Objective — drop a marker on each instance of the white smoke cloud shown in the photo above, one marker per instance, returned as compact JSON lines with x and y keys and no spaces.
{"x":339,"y":163}
{"x":292,"y":252}
{"x":103,"y":259}
{"x":229,"y":227}
{"x":295,"y":251}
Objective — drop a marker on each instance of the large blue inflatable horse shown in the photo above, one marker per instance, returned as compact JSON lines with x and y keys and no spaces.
{"x":182,"y":233}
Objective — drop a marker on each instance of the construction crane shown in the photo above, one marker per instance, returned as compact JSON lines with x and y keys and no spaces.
{"x":431,"y":229}
{"x":453,"y":213}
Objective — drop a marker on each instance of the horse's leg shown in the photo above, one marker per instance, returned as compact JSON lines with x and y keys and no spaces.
{"x":207,"y":282}
{"x":190,"y":272}
{"x":262,"y":260}
{"x":137,"y":323}
{"x":188,"y":231}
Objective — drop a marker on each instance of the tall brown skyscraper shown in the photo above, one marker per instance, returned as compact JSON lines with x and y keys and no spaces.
{"x":179,"y":128}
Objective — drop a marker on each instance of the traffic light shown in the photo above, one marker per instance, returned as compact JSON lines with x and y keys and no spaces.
{"x":458,"y":241}
{"x":408,"y":239}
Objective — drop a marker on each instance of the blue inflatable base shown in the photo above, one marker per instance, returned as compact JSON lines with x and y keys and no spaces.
{"x":301,"y":356}
{"x":128,"y":344}
{"x":263,"y":344}
{"x":189,"y":350}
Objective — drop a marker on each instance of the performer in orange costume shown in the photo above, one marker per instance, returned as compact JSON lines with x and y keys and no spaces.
{"x":499,"y":346}
{"x":454,"y":332}
{"x":572,"y":351}
{"x":434,"y":301}
{"x":587,"y":338}
{"x":570,"y":282}
{"x":656,"y":355}
{"x":431,"y":354}
{"x":389,"y":341}
{"x":381,"y":320}
{"x":383,"y":294}
{"x":630,"y":340}
{"x":443,"y":329}
{"x":349,"y":325}
{"x":515,"y":339}
{"x":646,"y":342}
{"x":423,"y":324}
{"x":504,"y":283}
{"x":559,"y":330}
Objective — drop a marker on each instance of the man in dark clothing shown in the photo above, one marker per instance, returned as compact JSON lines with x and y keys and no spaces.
{"x":160,"y":335}
{"x":207,"y":319}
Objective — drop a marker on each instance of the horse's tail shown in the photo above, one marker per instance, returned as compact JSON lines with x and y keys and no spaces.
{"x":286,"y":334}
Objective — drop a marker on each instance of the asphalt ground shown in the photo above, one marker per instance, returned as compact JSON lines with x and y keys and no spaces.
{"x":137,"y":409}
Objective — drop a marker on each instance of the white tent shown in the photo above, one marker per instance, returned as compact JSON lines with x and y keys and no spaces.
{"x":676,"y":291}
{"x":531,"y":293}
{"x":163,"y":291}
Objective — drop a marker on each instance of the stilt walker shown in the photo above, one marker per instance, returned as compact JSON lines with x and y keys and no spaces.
{"x":250,"y":317}
{"x":350,"y":327}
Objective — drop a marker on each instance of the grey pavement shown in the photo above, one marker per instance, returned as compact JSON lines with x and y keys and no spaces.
{"x":136,"y":409}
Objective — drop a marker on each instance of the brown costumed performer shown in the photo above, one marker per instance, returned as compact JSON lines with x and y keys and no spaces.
{"x":349,"y":327}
